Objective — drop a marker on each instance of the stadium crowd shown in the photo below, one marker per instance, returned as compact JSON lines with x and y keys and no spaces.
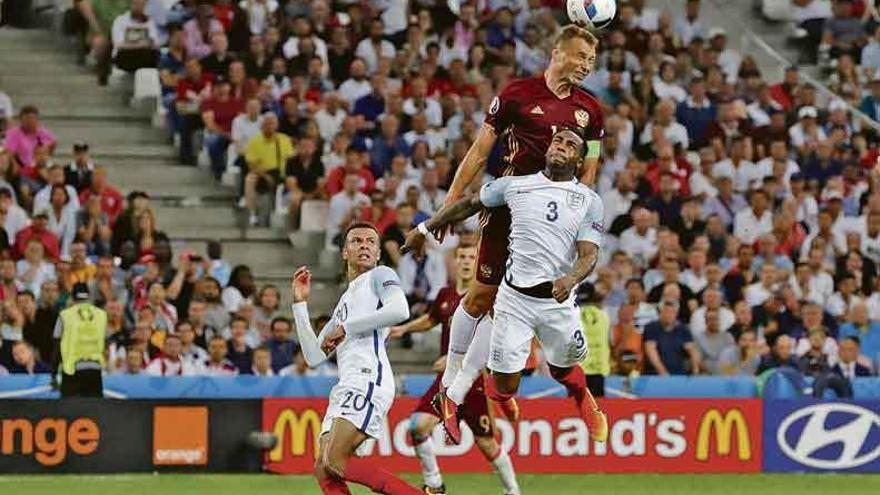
{"x":742,"y":215}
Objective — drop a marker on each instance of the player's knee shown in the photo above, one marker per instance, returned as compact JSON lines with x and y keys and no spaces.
{"x":418,"y":430}
{"x":488,"y":447}
{"x":503,"y":387}
{"x":334,"y":466}
{"x":557,"y":372}
{"x":478,"y":302}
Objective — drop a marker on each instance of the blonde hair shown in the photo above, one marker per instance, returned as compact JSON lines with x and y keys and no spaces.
{"x":573,"y":31}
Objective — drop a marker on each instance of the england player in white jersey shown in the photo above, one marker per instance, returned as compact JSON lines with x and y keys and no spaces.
{"x":357,"y":331}
{"x":555,"y":235}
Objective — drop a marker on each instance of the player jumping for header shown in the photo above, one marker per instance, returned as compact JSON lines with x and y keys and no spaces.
{"x":555,"y":235}
{"x":524,"y":115}
{"x":356,"y":332}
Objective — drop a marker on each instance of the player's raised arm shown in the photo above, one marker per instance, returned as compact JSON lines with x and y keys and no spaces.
{"x":491,"y":195}
{"x":310,"y":343}
{"x":394,"y":309}
{"x":473,"y":163}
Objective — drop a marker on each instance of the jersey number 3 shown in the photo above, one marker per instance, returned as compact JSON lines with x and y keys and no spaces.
{"x":553,"y":211}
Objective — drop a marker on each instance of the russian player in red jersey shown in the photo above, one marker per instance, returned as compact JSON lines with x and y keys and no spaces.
{"x":475,"y":410}
{"x":524,"y":115}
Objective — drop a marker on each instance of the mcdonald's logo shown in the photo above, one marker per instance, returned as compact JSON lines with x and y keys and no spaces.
{"x":723,"y":426}
{"x":300,"y":427}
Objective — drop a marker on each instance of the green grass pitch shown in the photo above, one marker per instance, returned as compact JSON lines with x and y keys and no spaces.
{"x":477,"y":484}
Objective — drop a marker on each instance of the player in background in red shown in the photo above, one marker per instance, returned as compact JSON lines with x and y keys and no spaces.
{"x":524,"y":116}
{"x":475,"y":410}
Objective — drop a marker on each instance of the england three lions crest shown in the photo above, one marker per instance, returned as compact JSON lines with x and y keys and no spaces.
{"x":582,"y":117}
{"x":576,"y":200}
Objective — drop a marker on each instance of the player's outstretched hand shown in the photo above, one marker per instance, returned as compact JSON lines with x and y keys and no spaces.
{"x":415,"y":241}
{"x":301,"y":284}
{"x":333,"y":339}
{"x":562,"y":287}
{"x":397,"y":331}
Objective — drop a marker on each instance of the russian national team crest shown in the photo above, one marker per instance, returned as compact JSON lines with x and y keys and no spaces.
{"x":582,"y":117}
{"x":575,"y":200}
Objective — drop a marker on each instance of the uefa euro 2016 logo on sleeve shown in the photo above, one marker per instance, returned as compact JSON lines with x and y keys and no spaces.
{"x":822,"y":436}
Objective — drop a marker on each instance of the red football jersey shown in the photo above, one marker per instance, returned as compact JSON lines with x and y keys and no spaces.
{"x":442,"y":310}
{"x":525,"y":113}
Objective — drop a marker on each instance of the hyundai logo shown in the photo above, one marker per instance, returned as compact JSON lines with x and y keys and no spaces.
{"x":831,"y":436}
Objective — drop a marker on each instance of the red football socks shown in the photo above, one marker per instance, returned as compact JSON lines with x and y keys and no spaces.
{"x":496,"y":395}
{"x":377,"y":479}
{"x":576,"y":384}
{"x":330,"y":486}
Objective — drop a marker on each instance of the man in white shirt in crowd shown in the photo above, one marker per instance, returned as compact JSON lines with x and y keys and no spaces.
{"x":420,"y":102}
{"x":745,"y":174}
{"x":689,"y":25}
{"x":374,"y":47}
{"x":640,"y":241}
{"x":757,"y":293}
{"x":753,"y":222}
{"x":171,"y":363}
{"x":357,"y":85}
{"x":779,"y":159}
{"x":329,"y":118}
{"x":344,"y":205}
{"x":695,"y":275}
{"x":664,"y":118}
{"x":421,"y":132}
{"x":643,"y":312}
{"x":189,"y":350}
{"x":431,"y":197}
{"x":619,"y":199}
{"x":821,"y":282}
{"x":55,"y":176}
{"x":712,"y":300}
{"x":217,"y":364}
{"x":701,"y":180}
{"x":870,"y":237}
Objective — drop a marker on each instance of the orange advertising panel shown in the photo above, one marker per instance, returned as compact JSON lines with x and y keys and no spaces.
{"x":180,"y":436}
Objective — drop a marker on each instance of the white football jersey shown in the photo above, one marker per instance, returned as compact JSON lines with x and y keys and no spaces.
{"x":548,"y":218}
{"x":363,"y":356}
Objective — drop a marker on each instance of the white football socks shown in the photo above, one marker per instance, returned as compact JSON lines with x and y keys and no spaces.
{"x":504,"y":469}
{"x":461,"y":334}
{"x":428,"y":461}
{"x":475,"y":361}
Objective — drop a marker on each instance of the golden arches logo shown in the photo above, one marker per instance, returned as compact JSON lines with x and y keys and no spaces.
{"x":723,"y":426}
{"x":299,"y":426}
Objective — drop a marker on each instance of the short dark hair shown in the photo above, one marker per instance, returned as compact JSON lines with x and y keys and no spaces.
{"x":28,"y":109}
{"x":281,"y":319}
{"x":180,"y":324}
{"x":853,"y":338}
{"x":360,"y":225}
{"x":235,"y":319}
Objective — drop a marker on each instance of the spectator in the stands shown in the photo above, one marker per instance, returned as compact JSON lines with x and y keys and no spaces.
{"x":266,"y":309}
{"x":6,"y":112}
{"x":111,"y":198}
{"x":218,"y":112}
{"x":241,"y":353}
{"x":866,"y":330}
{"x":136,"y":39}
{"x":843,"y":33}
{"x":281,"y":343}
{"x":39,"y":324}
{"x":193,"y":88}
{"x":374,"y":47}
{"x":171,"y":361}
{"x":387,"y":144}
{"x":355,"y":165}
{"x":190,"y":351}
{"x":23,"y":140}
{"x":751,"y":223}
{"x":93,"y":227}
{"x":849,"y":366}
{"x":422,"y":277}
{"x":640,"y":240}
{"x":218,"y":61}
{"x":357,"y":85}
{"x":241,"y":287}
{"x":62,"y":217}
{"x":713,"y":343}
{"x":78,"y":174}
{"x":781,"y":355}
{"x":669,"y":346}
{"x":25,"y":361}
{"x":304,"y":178}
{"x":266,"y":155}
{"x":198,"y":31}
{"x":743,"y":358}
{"x":217,"y":364}
{"x":33,"y":270}
{"x":38,"y":230}
{"x":262,"y":363}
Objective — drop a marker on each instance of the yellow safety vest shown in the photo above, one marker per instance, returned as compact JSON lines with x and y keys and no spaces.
{"x":82,"y":338}
{"x":596,"y":327}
